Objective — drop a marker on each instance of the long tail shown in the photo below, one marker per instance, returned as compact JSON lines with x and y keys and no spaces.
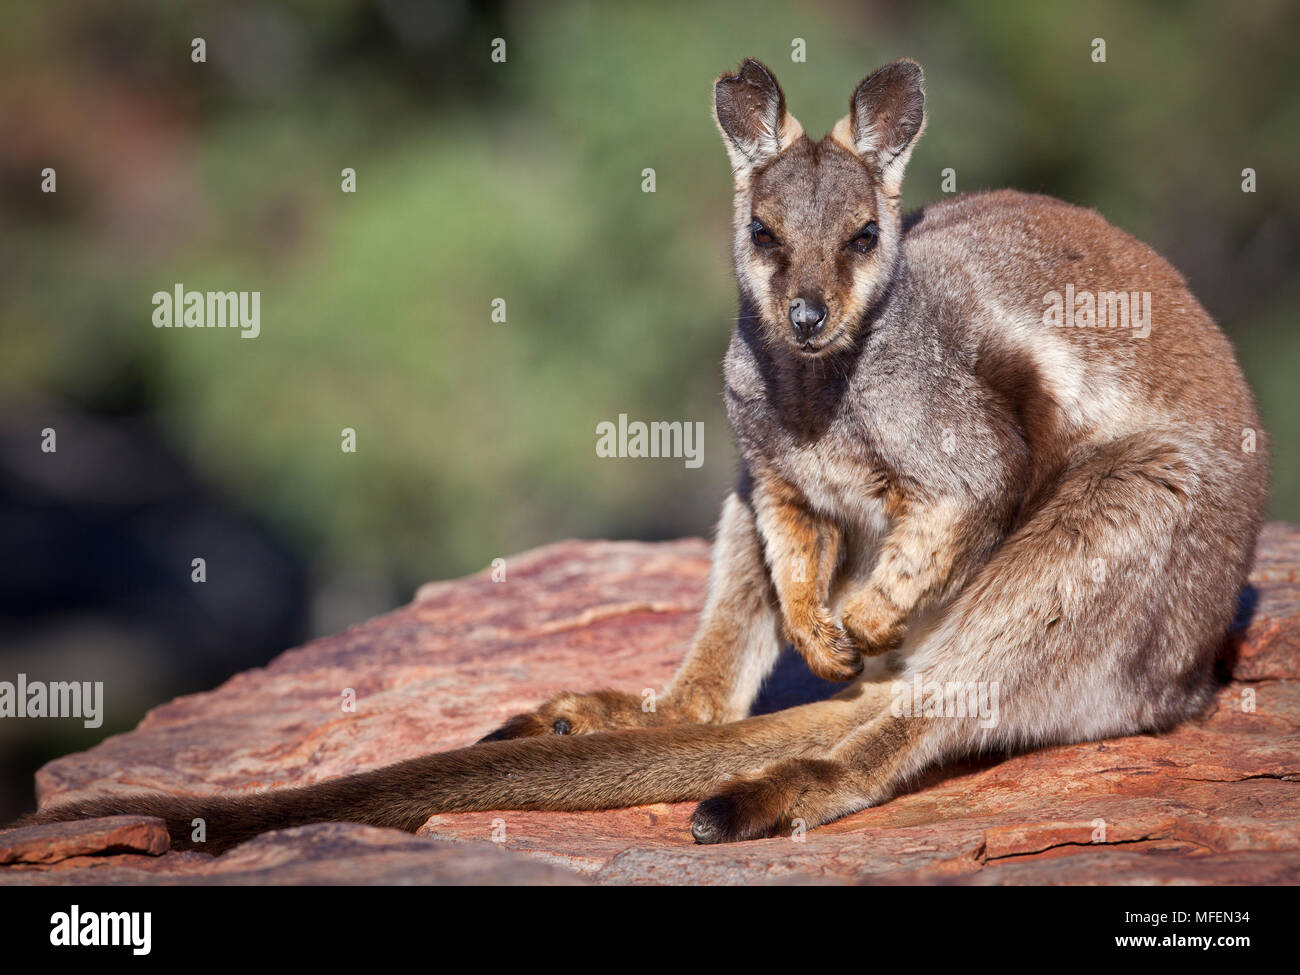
{"x":601,"y":771}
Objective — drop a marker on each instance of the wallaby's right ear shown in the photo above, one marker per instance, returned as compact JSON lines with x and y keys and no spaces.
{"x":749,"y":108}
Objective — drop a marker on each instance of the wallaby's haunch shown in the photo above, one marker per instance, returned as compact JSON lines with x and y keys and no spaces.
{"x":935,"y":476}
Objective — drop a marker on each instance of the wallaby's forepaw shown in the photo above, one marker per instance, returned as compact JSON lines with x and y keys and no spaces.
{"x":578,"y":714}
{"x":827,"y":648}
{"x":873,"y":628}
{"x":779,"y":801}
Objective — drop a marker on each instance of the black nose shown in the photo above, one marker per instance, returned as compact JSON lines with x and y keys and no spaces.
{"x":807,"y":316}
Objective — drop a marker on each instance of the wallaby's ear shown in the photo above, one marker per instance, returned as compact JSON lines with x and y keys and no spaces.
{"x":749,"y":108}
{"x":886,"y":116}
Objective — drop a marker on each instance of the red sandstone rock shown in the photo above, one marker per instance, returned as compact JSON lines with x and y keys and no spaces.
{"x":1215,"y":801}
{"x":327,"y":854}
{"x":60,"y":841}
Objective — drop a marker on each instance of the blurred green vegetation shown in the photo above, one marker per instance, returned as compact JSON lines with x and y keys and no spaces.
{"x":522,"y":181}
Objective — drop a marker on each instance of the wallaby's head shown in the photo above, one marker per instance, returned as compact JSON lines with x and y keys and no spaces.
{"x":817,"y":224}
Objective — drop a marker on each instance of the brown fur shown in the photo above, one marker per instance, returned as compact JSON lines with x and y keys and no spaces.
{"x":803,"y":552}
{"x":932,"y":476}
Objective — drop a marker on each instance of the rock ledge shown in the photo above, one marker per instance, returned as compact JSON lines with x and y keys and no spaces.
{"x":1215,"y":801}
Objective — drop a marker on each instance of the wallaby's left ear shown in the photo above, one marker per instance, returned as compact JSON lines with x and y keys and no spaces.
{"x":886,"y":116}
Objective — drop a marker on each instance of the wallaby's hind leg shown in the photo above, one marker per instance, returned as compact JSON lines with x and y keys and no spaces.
{"x":1097,"y":617}
{"x":735,"y":647}
{"x":861,"y":771}
{"x":601,"y":771}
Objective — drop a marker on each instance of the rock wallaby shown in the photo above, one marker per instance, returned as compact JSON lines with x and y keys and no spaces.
{"x":993,"y":452}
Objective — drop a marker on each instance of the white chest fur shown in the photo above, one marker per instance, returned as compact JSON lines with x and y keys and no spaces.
{"x":837,"y":485}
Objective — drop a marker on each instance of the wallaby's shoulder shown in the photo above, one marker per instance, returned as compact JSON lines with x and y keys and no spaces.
{"x":1030,"y":232}
{"x":969,"y":214}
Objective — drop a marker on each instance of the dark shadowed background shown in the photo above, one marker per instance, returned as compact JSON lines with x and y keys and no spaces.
{"x":477,"y":180}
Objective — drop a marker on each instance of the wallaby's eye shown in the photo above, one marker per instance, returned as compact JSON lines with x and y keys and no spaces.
{"x":866,"y":238}
{"x":761,"y":235}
